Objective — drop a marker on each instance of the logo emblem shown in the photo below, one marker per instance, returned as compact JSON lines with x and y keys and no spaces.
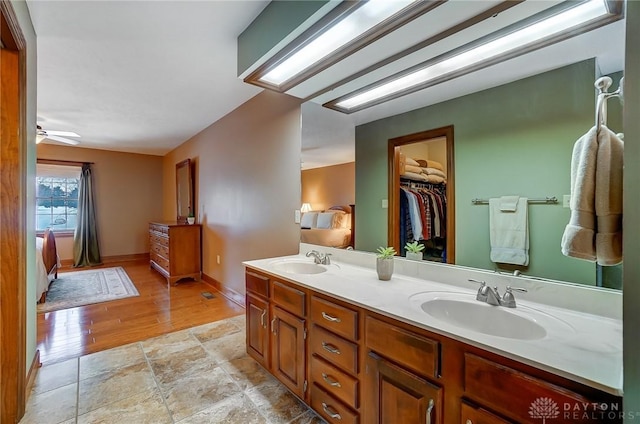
{"x":544,"y":408}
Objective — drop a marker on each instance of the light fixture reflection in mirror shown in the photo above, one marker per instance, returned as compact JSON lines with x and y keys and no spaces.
{"x":306,"y":207}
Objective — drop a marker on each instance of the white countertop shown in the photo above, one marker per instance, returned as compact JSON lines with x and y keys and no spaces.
{"x":584,"y":347}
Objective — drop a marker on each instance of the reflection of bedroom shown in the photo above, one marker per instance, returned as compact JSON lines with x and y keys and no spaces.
{"x":330,"y":192}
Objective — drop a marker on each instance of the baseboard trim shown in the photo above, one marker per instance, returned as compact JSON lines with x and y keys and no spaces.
{"x":31,"y":375}
{"x":230,"y":294}
{"x":68,"y":263}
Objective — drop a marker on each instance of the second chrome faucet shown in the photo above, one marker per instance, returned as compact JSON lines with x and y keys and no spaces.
{"x":492,"y":296}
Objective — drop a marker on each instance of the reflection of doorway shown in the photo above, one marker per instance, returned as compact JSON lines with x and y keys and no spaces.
{"x":12,"y":213}
{"x":409,"y":144}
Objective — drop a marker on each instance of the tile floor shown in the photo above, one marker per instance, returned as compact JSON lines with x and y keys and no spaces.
{"x":198,"y":375}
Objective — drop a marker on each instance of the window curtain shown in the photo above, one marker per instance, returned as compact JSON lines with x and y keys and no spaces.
{"x":86,"y":251}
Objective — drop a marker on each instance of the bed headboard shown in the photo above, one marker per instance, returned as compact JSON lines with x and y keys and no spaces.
{"x":49,"y":251}
{"x":344,"y":208}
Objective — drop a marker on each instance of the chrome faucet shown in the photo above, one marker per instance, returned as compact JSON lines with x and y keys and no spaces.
{"x":319,"y":258}
{"x":492,"y":296}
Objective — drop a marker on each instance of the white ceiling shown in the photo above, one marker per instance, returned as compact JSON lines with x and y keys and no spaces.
{"x":144,"y":76}
{"x":138,"y":76}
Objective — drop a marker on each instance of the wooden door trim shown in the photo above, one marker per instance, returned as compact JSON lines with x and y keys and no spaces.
{"x":13,"y":378}
{"x":393,"y":226}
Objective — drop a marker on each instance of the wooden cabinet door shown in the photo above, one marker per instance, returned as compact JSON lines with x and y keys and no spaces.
{"x":288,"y":351}
{"x":257,"y":329}
{"x":471,"y":414}
{"x":395,"y":395}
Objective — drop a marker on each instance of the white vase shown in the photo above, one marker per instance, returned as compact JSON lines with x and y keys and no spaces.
{"x":414,"y":256}
{"x":384,"y":267}
{"x":191,"y":220}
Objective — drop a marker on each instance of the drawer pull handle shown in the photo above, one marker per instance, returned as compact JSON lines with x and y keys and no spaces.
{"x":429,"y":409}
{"x":326,"y":408}
{"x":330,"y":348}
{"x":330,"y":318}
{"x":273,"y":323}
{"x":264,"y":324}
{"x":469,"y":422}
{"x":330,"y":381}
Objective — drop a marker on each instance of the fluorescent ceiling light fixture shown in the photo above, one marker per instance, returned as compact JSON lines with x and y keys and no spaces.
{"x":354,"y":25}
{"x":513,"y":42}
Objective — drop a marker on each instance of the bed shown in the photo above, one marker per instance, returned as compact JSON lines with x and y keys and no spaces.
{"x":47,"y":263}
{"x":332,"y":227}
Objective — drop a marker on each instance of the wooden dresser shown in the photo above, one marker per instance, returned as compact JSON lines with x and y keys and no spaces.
{"x":174,"y":250}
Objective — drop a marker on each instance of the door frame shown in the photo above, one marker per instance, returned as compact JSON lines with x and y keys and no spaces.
{"x":393,"y":226}
{"x":12,"y":218}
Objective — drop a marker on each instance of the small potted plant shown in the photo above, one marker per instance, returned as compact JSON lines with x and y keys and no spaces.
{"x":191,"y":219}
{"x":414,"y":251}
{"x":384,"y":263}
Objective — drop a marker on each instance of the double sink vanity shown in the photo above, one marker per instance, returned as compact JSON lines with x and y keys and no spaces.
{"x":427,"y":347}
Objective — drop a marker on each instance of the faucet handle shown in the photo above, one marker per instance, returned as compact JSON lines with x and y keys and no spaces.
{"x":482,"y":290}
{"x":508,"y":299}
{"x":326,"y":260}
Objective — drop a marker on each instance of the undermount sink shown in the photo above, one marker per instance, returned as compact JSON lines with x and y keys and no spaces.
{"x":464,"y":311}
{"x":299,"y":267}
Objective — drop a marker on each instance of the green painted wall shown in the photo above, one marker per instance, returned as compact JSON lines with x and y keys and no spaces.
{"x":513,"y":139}
{"x":273,"y":24}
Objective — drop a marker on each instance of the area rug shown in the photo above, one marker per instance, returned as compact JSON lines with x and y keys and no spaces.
{"x":79,"y":288}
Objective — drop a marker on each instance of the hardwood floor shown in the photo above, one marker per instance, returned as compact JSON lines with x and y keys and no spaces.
{"x":74,"y":332}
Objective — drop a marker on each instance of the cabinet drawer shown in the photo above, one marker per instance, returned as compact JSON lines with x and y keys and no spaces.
{"x":331,"y":409}
{"x":411,"y":350}
{"x":160,"y":250}
{"x":257,"y":283}
{"x":334,"y":349}
{"x":334,"y":381}
{"x":476,"y":415}
{"x":160,"y":261}
{"x":290,"y":298}
{"x":513,"y":393}
{"x":336,"y":318}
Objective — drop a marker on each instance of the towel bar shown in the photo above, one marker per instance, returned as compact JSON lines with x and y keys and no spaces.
{"x":546,"y":201}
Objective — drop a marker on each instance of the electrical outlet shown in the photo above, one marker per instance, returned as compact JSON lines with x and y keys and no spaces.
{"x":566,"y":201}
{"x":296,"y":216}
{"x":385,"y":203}
{"x":218,"y":259}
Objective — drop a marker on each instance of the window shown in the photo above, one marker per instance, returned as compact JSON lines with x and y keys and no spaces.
{"x":57,"y":197}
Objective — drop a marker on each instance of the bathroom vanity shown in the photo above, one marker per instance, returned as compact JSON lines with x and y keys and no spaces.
{"x":360,"y":350}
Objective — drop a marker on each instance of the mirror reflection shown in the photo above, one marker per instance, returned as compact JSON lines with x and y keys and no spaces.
{"x":514,"y":139}
{"x":184,"y":190}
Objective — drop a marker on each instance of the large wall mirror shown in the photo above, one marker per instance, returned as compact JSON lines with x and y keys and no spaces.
{"x":184,"y":190}
{"x":512,"y":137}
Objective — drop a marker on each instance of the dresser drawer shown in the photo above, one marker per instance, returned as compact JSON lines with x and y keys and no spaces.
{"x":160,"y":261}
{"x":334,"y":317}
{"x":333,"y":380}
{"x":334,"y":349}
{"x":290,"y":298}
{"x":513,"y":393}
{"x":411,"y":350}
{"x":331,"y":409}
{"x":475,"y":415}
{"x":160,"y":250}
{"x":257,"y":283}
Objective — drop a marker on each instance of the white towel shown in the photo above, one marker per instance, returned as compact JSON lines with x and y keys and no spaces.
{"x":509,"y":203}
{"x":594,"y":231}
{"x":509,"y":233}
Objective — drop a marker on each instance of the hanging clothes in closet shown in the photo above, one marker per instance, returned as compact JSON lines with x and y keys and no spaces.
{"x":423,"y":212}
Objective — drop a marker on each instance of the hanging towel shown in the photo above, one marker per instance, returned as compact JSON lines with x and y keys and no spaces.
{"x":594,"y":231}
{"x":509,"y":233}
{"x":509,"y":203}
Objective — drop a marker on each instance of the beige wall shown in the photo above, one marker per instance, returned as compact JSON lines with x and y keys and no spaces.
{"x":128,"y":191}
{"x":329,"y":185}
{"x":247,"y":168}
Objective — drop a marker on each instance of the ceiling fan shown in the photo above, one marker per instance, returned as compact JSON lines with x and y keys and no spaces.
{"x":60,"y":136}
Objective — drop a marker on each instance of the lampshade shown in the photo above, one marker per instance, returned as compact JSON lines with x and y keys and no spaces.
{"x":306,"y":207}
